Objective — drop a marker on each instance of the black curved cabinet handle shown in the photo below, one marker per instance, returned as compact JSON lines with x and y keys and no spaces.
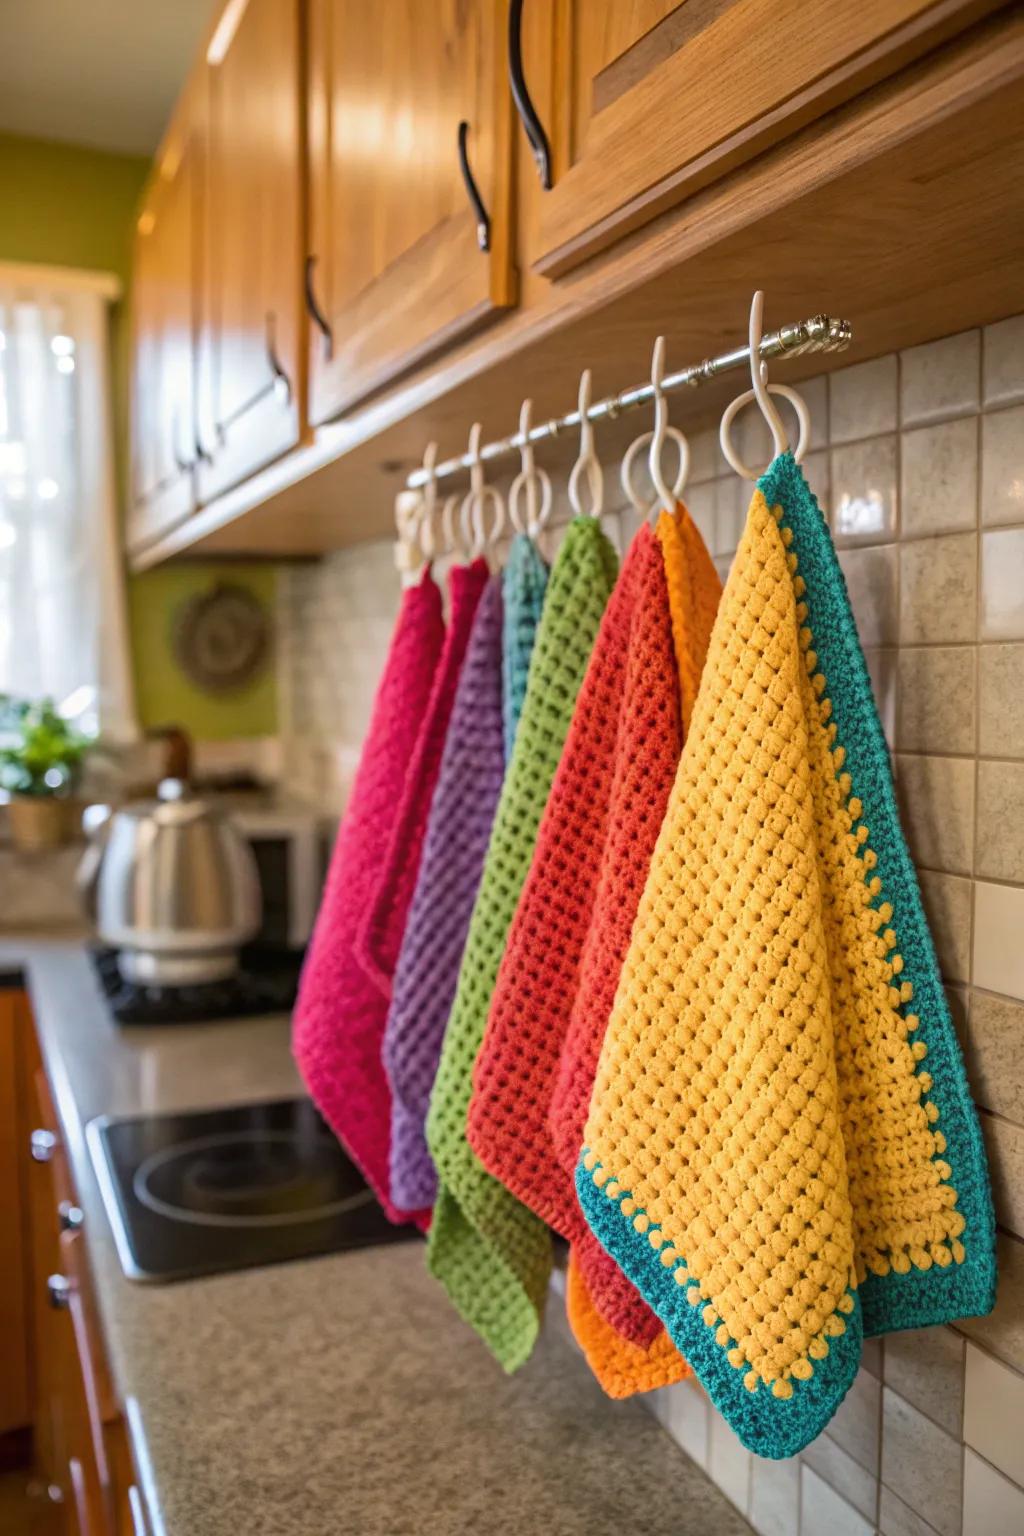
{"x":483,"y":223}
{"x":532,"y":125}
{"x":316,"y":314}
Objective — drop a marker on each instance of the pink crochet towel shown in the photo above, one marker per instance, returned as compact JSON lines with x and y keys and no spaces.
{"x":340,"y":1013}
{"x":380,"y":937}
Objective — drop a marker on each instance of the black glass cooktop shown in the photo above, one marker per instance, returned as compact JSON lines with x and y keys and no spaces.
{"x":190,"y":1194}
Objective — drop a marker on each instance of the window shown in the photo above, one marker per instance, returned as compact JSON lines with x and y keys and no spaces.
{"x":63,"y":631}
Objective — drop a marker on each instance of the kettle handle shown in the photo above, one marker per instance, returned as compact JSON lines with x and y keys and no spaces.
{"x":88,"y":872}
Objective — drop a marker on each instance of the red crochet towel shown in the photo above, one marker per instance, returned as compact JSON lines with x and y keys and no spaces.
{"x":339,"y":1015}
{"x":380,"y":938}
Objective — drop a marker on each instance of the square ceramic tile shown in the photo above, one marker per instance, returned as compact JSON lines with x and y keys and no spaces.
{"x":997,"y":963}
{"x":775,"y":1496}
{"x":1001,"y":700}
{"x":683,"y":1409}
{"x":1002,"y":348}
{"x":994,"y":1053}
{"x":729,"y":1463}
{"x":1004,"y":1143}
{"x":862,"y":491}
{"x":926,"y":1367}
{"x":939,"y":478}
{"x":732,"y":500}
{"x":1002,"y":1331}
{"x":1002,"y":467}
{"x":938,"y":590}
{"x":871,"y":1357}
{"x":862,"y":400}
{"x":871,"y":580}
{"x":993,"y":1506}
{"x":999,"y":854}
{"x":706,"y":461}
{"x":1002,"y":585}
{"x":855,"y":1425}
{"x":936,"y":800}
{"x":822,"y":1509}
{"x":936,"y":690}
{"x":921,"y":1464}
{"x":947,"y":906}
{"x":897,"y":1519}
{"x":881,"y":665}
{"x":994,"y":1413}
{"x":941,"y":379}
{"x":847,"y":1477}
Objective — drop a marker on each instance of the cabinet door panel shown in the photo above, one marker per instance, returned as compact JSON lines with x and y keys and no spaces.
{"x":673,"y":96}
{"x":399,"y":270}
{"x":163,"y":390}
{"x":251,"y":353}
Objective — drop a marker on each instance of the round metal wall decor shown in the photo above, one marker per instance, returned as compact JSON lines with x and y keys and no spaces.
{"x":221,"y":638}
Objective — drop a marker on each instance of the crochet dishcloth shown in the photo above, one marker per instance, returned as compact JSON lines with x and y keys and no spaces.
{"x":621,"y":1367}
{"x":779,"y":1152}
{"x":572,"y":925}
{"x":384,"y":924}
{"x":339,"y":1013}
{"x":490,"y":1252}
{"x":461,"y":815}
{"x":526,"y":579}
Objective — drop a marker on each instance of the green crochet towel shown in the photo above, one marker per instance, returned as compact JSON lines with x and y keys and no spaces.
{"x":492,"y":1254}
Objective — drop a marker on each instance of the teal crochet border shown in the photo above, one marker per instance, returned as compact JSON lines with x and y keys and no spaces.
{"x":770,"y":1426}
{"x":921,"y":1297}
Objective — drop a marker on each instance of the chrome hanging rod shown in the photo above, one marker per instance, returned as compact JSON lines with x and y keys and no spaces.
{"x":819,"y":334}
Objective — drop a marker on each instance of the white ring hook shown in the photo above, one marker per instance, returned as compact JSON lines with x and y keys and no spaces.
{"x":641,"y":507}
{"x":452,"y":532}
{"x":587,"y":463}
{"x":762,"y":391}
{"x":428,"y":534}
{"x":530,"y":479}
{"x":479,"y":496}
{"x":668,"y":497}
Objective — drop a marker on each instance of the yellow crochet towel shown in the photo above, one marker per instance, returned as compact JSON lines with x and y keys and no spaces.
{"x":781,"y":1150}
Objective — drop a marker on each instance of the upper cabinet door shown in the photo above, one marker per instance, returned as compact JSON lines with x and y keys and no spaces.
{"x":656,"y":99}
{"x":408,"y":250}
{"x":163,"y":343}
{"x":252,"y":346}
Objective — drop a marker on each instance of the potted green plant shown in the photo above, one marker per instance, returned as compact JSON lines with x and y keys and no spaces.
{"x":40,"y":757}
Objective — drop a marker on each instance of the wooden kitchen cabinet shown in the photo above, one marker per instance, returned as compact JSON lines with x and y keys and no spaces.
{"x":401,"y":262}
{"x":15,"y":1399}
{"x":251,"y":373}
{"x":655,"y":99}
{"x":163,"y":407}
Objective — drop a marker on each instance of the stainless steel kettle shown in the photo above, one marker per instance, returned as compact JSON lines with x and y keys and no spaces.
{"x":172,"y":885}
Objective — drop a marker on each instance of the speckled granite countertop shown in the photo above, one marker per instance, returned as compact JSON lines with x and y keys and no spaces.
{"x":338,"y":1396}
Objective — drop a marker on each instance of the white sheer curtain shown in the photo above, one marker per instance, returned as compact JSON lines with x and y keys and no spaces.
{"x":63,"y":625}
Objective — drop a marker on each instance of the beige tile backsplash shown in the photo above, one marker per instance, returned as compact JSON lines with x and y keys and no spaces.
{"x":919,"y":459}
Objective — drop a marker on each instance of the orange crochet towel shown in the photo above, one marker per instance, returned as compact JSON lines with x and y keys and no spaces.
{"x":572,"y":927}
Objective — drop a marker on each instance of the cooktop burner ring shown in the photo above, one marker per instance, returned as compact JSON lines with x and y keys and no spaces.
{"x":156,"y":1161}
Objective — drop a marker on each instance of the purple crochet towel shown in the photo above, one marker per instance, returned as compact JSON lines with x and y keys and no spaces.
{"x":458,"y":831}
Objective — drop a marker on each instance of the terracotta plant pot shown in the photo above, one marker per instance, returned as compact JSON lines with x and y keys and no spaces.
{"x":38,"y":822}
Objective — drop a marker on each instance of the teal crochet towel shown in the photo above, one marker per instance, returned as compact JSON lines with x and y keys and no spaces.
{"x":525,"y":580}
{"x":490,"y":1252}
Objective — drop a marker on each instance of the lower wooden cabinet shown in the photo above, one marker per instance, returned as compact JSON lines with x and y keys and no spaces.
{"x":80,"y":1446}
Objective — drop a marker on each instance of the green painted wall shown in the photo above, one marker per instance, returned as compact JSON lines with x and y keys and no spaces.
{"x":68,"y":206}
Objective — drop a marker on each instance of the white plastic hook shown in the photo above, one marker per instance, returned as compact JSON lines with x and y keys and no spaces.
{"x":587,"y":463}
{"x":644,"y":508}
{"x":428,"y":506}
{"x":667,"y":496}
{"x":452,"y":531}
{"x":478,"y":498}
{"x":762,"y":391}
{"x":532,"y":480}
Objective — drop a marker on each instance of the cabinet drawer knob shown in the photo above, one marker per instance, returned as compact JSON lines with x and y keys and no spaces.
{"x":42,"y":1145}
{"x":483,"y":223}
{"x":532,"y":125}
{"x":58,"y":1289}
{"x":69,"y":1216}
